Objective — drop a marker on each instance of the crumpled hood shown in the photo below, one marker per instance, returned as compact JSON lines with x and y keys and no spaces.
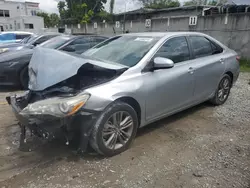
{"x":49,"y":67}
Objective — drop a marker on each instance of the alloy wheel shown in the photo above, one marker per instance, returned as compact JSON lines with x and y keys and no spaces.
{"x":117,"y":130}
{"x":224,"y":89}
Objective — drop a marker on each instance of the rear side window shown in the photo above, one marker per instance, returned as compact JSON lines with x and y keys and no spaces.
{"x":175,"y":49}
{"x":216,"y":49}
{"x":201,"y":46}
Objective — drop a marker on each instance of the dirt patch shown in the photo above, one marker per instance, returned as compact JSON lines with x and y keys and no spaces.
{"x":200,"y":147}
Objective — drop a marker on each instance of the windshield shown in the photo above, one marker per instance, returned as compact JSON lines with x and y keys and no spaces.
{"x":55,"y":42}
{"x":126,"y":50}
{"x":29,"y":39}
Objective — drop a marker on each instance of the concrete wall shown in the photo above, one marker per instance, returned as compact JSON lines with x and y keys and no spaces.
{"x":232,"y":30}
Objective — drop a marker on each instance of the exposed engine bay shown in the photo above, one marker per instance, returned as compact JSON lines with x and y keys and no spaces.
{"x":87,"y":76}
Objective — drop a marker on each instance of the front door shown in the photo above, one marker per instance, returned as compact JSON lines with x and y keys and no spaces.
{"x":169,"y":90}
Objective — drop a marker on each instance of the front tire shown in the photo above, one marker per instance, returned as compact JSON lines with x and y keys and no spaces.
{"x":223,"y":91}
{"x":115,"y":129}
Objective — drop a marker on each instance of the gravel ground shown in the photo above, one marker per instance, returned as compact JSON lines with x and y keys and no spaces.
{"x":237,"y":108}
{"x":204,"y":146}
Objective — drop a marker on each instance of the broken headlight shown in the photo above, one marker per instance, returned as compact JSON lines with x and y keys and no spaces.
{"x":57,"y":106}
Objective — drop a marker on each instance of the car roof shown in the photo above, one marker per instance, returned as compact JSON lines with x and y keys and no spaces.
{"x":162,"y":34}
{"x":16,"y":32}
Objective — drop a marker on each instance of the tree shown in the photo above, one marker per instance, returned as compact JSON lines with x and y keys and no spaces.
{"x":94,"y":5}
{"x":159,"y":4}
{"x":54,"y":20}
{"x":79,"y":11}
{"x":49,"y":20}
{"x":46,"y":18}
{"x":111,"y":6}
{"x":61,"y":6}
{"x":212,"y":3}
{"x":195,"y":2}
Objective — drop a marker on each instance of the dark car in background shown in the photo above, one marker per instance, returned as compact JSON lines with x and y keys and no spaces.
{"x":28,"y":42}
{"x":14,"y":64}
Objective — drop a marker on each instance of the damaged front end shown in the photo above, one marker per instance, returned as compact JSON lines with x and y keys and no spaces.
{"x":54,"y":105}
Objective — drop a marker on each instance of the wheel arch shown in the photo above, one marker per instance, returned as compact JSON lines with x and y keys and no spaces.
{"x":134,"y":104}
{"x":229,"y":73}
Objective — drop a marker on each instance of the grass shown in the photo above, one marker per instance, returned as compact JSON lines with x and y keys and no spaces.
{"x":245,"y":65}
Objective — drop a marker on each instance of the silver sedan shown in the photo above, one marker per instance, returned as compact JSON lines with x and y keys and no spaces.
{"x":150,"y":76}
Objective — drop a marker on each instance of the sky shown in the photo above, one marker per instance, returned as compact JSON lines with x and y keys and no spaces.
{"x":50,"y":6}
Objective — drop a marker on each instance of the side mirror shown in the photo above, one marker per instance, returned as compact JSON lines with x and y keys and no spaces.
{"x":163,"y":63}
{"x":31,"y":46}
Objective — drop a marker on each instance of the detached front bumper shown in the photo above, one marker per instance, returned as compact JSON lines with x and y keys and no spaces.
{"x":49,"y":127}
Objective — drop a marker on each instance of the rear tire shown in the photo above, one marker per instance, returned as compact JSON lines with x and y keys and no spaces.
{"x":24,"y":78}
{"x":115,"y":129}
{"x":222,"y":91}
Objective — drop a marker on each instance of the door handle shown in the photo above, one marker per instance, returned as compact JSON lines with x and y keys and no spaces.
{"x":191,"y":70}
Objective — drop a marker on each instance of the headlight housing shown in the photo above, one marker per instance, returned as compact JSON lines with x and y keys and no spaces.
{"x":2,"y":50}
{"x":57,"y":106}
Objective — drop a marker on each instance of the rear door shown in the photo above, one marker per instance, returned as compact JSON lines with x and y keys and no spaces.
{"x":208,"y":66}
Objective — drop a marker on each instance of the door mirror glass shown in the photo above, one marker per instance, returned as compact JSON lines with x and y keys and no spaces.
{"x":163,"y":63}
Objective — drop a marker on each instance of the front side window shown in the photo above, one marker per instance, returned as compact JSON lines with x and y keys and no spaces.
{"x":201,"y":46}
{"x":126,"y":50}
{"x":79,"y":45}
{"x":175,"y":49}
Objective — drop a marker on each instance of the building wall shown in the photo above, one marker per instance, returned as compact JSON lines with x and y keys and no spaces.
{"x":21,"y":13}
{"x":232,"y":30}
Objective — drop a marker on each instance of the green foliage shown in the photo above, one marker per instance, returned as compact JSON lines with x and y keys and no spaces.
{"x":94,"y":5}
{"x":245,"y":65}
{"x":212,"y":3}
{"x":79,"y":11}
{"x":159,"y":4}
{"x":54,"y":20}
{"x":103,"y":15}
{"x":46,"y":18}
{"x":195,"y":2}
{"x":49,"y":20}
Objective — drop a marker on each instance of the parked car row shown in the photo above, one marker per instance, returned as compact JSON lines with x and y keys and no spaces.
{"x":103,"y":95}
{"x":15,"y":59}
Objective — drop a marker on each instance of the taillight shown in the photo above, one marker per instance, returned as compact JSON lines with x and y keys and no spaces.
{"x":238,"y":58}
